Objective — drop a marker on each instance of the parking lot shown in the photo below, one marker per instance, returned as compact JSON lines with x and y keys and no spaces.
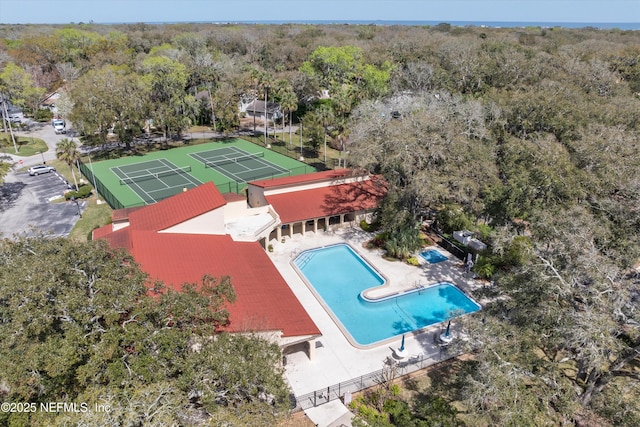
{"x":28,"y":206}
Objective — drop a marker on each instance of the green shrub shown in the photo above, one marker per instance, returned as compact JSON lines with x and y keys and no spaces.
{"x":43,"y":115}
{"x":453,"y":218}
{"x":485,"y":267}
{"x":413,"y":261}
{"x":82,"y":193}
{"x":483,"y":230}
{"x":369,"y":228}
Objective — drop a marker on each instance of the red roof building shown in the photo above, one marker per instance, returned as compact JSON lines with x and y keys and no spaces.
{"x":321,"y":200}
{"x":180,"y":239}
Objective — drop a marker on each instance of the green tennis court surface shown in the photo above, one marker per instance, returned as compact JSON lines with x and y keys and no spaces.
{"x":155,"y":180}
{"x":139,"y":180}
{"x":239,"y":165}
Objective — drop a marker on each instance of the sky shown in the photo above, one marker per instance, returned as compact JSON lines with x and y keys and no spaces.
{"x":117,"y":11}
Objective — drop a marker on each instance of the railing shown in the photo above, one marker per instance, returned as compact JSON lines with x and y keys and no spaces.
{"x":336,"y":391}
{"x":451,"y":247}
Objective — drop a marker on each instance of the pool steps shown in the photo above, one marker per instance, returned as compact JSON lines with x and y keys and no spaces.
{"x":304,"y":258}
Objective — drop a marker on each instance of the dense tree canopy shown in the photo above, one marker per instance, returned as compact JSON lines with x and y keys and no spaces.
{"x":529,"y":136}
{"x":76,"y":325}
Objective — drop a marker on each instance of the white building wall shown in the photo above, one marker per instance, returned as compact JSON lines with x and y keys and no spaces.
{"x":211,"y":222}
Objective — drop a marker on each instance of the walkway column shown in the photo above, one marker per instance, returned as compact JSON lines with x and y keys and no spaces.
{"x":279,"y":233}
{"x":312,"y":349}
{"x":341,"y":219}
{"x":291,"y":230}
{"x":315,"y":225}
{"x":304,"y":227}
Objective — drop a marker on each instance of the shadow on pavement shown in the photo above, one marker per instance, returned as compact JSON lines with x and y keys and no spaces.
{"x":9,"y":193}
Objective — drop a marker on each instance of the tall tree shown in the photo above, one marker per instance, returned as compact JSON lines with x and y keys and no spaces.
{"x":326,"y":117}
{"x":288,"y":103}
{"x":111,"y":97}
{"x":17,"y":85}
{"x":78,"y":326}
{"x":67,"y":151}
{"x":171,"y":106}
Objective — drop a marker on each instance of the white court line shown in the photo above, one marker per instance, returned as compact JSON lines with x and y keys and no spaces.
{"x":184,"y":174}
{"x":138,"y":194}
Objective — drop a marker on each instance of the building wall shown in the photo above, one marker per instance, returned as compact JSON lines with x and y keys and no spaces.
{"x":256,"y":196}
{"x":211,"y":222}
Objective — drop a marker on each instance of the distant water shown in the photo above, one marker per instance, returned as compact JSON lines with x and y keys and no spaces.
{"x":490,"y":24}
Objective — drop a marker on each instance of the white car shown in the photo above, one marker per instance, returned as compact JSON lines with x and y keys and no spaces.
{"x":38,"y":169}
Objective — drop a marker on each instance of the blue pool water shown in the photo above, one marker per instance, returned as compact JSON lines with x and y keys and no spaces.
{"x":339,"y":276}
{"x":433,"y":256}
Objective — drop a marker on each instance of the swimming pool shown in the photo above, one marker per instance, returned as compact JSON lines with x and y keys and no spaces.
{"x":338,"y":276}
{"x":433,"y":256}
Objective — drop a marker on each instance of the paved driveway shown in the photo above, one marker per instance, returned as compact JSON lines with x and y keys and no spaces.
{"x":26,"y":207}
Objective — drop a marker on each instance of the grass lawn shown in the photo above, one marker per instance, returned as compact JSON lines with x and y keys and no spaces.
{"x":94,"y":216}
{"x":27,"y":145}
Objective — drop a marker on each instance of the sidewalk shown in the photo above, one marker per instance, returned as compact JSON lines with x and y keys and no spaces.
{"x":45,"y":132}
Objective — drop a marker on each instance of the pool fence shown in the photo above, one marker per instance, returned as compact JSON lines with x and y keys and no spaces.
{"x":346,"y":388}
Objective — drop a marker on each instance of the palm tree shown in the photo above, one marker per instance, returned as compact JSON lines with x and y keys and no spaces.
{"x":325,"y":114}
{"x":254,"y":82}
{"x":67,"y":151}
{"x":289,"y":103}
{"x":266,"y":80}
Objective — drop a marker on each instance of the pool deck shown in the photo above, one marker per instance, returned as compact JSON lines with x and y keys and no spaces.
{"x":336,"y":359}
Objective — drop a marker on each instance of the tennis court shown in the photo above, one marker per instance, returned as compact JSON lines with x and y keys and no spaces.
{"x":143,"y":179}
{"x":154,"y":180}
{"x":238,"y":164}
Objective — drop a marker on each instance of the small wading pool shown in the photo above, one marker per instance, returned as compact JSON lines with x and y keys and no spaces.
{"x":433,"y":256}
{"x":338,"y":275}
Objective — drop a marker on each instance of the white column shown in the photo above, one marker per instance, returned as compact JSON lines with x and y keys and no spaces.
{"x":312,"y":349}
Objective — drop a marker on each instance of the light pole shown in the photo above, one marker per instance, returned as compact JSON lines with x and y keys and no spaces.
{"x":73,"y":200}
{"x":42,"y":154}
{"x":301,"y":156}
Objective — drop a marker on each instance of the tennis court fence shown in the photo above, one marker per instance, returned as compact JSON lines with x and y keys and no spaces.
{"x":227,"y":187}
{"x":106,"y":194}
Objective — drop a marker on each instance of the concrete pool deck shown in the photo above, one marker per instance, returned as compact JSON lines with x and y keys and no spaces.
{"x":335,"y":359}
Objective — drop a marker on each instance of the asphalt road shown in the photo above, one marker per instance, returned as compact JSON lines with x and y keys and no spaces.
{"x":27,"y":206}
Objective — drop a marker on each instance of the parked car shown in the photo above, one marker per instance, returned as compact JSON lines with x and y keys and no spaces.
{"x":14,"y":119}
{"x":59,"y":125}
{"x":38,"y":169}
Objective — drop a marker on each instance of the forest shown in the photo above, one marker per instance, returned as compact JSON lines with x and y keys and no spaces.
{"x":529,"y":137}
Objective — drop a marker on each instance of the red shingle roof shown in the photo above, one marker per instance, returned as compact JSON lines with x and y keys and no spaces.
{"x":264,"y":300}
{"x":327,"y":201}
{"x":301,"y":179}
{"x":123,"y":214}
{"x":117,"y":239}
{"x":177,"y":209}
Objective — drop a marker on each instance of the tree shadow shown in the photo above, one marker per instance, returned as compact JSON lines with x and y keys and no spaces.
{"x":9,"y":193}
{"x":357,"y":196}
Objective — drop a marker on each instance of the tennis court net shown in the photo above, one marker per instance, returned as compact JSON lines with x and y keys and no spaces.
{"x":216,"y":163}
{"x":161,"y":174}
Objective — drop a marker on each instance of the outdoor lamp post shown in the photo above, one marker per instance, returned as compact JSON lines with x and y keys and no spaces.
{"x":301,"y":156}
{"x":73,"y":200}
{"x":42,"y":154}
